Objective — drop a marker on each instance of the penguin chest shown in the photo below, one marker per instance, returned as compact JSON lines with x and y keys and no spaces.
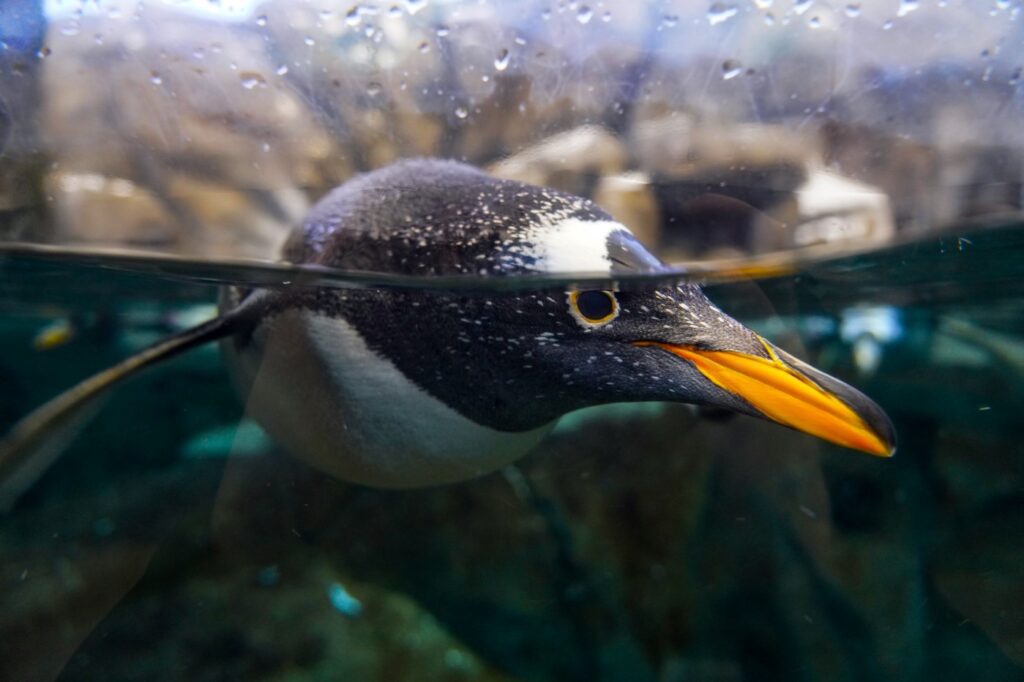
{"x":313,"y":383}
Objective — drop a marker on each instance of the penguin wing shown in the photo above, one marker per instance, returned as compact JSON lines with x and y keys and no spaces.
{"x":38,"y":439}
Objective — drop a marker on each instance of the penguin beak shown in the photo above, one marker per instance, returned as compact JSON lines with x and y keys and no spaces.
{"x":786,"y":390}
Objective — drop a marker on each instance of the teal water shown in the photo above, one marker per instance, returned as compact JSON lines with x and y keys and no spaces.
{"x":174,"y":541}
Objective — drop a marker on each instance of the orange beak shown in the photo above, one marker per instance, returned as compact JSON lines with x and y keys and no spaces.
{"x":797,"y":395}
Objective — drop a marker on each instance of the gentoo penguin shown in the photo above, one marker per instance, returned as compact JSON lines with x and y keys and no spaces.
{"x":401,"y":387}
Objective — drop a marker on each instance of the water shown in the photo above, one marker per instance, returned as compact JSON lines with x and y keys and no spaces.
{"x":174,"y":541}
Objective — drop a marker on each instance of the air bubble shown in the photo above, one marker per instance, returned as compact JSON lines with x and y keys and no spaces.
{"x":814,"y":22}
{"x":853,"y":9}
{"x":669,"y":20}
{"x":354,"y":17}
{"x":282,"y":70}
{"x":155,"y":78}
{"x":261,"y":20}
{"x":584,"y":14}
{"x":309,"y":41}
{"x":731,"y":68}
{"x":461,"y":112}
{"x":801,"y":6}
{"x":252,"y":79}
{"x":720,"y":12}
{"x":373,"y":88}
{"x":424,"y":47}
{"x":906,"y":7}
{"x":501,"y":61}
{"x":414,"y":6}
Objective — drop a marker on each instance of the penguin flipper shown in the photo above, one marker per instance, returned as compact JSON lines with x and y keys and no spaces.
{"x":36,"y":441}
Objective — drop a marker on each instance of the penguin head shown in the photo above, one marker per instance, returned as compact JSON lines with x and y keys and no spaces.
{"x":515,"y":360}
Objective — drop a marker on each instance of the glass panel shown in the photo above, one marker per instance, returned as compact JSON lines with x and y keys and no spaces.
{"x":413,"y":453}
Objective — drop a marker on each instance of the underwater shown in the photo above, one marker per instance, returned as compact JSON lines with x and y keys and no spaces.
{"x":466,"y":340}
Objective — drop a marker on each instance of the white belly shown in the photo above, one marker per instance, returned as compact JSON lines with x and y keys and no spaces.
{"x":315,"y":386}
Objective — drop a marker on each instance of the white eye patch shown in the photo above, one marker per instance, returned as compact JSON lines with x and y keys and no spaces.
{"x":573,"y":245}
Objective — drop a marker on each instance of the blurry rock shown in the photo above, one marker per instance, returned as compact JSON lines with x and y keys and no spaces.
{"x":680,"y":145}
{"x":751,"y":188}
{"x":85,"y":205}
{"x":630,"y":199}
{"x":572,"y":161}
{"x":832,"y":209}
{"x":193,"y":116}
{"x":907,"y":171}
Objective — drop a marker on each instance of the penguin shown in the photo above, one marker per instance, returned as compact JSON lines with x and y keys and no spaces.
{"x":407,"y":387}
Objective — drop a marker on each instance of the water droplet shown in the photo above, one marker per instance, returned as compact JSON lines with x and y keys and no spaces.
{"x":584,"y":14}
{"x":1003,"y":4}
{"x":395,"y":12}
{"x":1015,"y":76}
{"x":98,"y":38}
{"x":669,"y":20}
{"x":814,"y":22}
{"x":461,"y":112}
{"x":414,"y":6}
{"x":721,"y":11}
{"x":520,"y":40}
{"x":354,"y":17}
{"x":309,"y":41}
{"x":252,"y":79}
{"x":801,"y":6}
{"x":373,"y":88}
{"x":731,"y":68}
{"x":442,"y":31}
{"x":261,"y":20}
{"x":44,"y":52}
{"x":606,"y":17}
{"x":325,"y":14}
{"x":155,"y":78}
{"x":769,"y":18}
{"x":70,"y":28}
{"x":887,"y":25}
{"x":762,"y":4}
{"x":424,"y":47}
{"x":265,"y":146}
{"x":853,"y":9}
{"x":907,"y":6}
{"x":282,"y":70}
{"x":501,"y":61}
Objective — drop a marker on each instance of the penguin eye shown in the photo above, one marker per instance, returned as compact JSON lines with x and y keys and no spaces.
{"x":593,"y":308}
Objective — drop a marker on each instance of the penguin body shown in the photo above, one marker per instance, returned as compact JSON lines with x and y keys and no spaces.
{"x":404,"y":387}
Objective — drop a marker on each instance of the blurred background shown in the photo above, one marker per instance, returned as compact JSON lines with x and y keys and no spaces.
{"x":880,"y":142}
{"x":208,"y":128}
